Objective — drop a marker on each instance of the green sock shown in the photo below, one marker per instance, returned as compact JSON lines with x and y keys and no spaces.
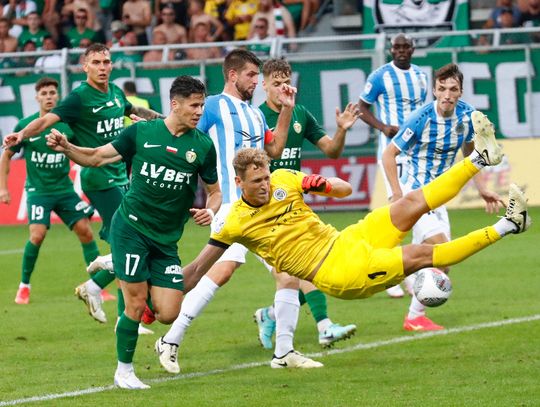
{"x":90,"y":251}
{"x":121,"y":305}
{"x":317,"y":303}
{"x":126,"y":338}
{"x":301,"y":297}
{"x":30,"y":256}
{"x":103,"y":278}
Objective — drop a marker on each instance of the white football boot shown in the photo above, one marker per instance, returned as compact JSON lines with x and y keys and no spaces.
{"x":128,"y":380}
{"x":168,"y":355}
{"x":294,"y":359}
{"x":93,"y":303}
{"x":516,"y":212}
{"x":484,"y":139}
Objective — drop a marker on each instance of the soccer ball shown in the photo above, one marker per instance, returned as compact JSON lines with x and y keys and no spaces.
{"x":432,"y":287}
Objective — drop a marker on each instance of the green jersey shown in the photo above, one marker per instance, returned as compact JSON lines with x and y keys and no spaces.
{"x":47,"y":172}
{"x":96,"y":118}
{"x":303,"y":126}
{"x":75,"y":37}
{"x":36,"y":38}
{"x":163,"y":177}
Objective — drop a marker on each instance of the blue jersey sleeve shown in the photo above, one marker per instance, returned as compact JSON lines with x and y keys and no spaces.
{"x":372,"y":88}
{"x":210,"y":113}
{"x":411,"y":131}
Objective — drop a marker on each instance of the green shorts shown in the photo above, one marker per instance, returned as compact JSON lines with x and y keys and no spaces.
{"x":138,"y":258}
{"x":69,"y":207}
{"x":106,"y":202}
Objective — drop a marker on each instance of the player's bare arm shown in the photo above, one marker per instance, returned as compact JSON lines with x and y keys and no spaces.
{"x":333,"y":147}
{"x":195,"y":270}
{"x":369,"y":118}
{"x":36,"y":126}
{"x":275,"y":147}
{"x":144,"y":113}
{"x":5,"y":161}
{"x":87,"y":157}
{"x":204,"y":216}
{"x":390,"y":168}
{"x":492,"y":199}
{"x":332,"y":187}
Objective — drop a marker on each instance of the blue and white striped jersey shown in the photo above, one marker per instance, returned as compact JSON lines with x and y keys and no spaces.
{"x":396,"y":93}
{"x":432,"y":141}
{"x":232,"y":124}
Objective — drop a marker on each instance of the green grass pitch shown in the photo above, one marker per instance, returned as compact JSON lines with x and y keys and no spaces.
{"x":52,"y":347}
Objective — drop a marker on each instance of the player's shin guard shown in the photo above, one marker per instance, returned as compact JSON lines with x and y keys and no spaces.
{"x":103,"y":278}
{"x":457,"y":250}
{"x":317,"y":304}
{"x":447,"y":185}
{"x":30,"y":256}
{"x":126,"y":338}
{"x":90,"y":251}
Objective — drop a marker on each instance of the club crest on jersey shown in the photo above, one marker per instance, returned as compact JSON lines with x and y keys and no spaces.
{"x":191,"y":156}
{"x":279,"y":194}
{"x":297,"y":127}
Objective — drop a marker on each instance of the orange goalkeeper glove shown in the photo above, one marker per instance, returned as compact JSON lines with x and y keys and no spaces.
{"x":316,"y":183}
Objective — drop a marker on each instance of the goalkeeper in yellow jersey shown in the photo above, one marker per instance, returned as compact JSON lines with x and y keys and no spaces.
{"x":272,"y":220}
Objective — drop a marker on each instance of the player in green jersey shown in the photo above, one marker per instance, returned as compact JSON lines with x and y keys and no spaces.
{"x":167,"y":155}
{"x":304,"y":126}
{"x":48,"y":188}
{"x":95,"y":112}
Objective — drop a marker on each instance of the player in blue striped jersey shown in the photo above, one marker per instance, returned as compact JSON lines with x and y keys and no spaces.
{"x":233,"y":124}
{"x":396,"y":89}
{"x":431,"y":138}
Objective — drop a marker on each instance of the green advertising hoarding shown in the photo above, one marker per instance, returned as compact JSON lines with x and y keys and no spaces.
{"x":504,"y":84}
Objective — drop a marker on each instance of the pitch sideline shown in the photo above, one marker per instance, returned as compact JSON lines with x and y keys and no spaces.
{"x":360,"y":346}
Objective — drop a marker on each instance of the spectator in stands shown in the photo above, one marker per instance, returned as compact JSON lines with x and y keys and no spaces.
{"x":49,"y":63}
{"x":174,"y":32}
{"x":137,"y":14}
{"x":179,"y":6}
{"x":197,"y":15}
{"x":16,"y":12}
{"x":505,"y":6}
{"x":201,"y":34}
{"x":280,"y":22}
{"x":260,"y":32}
{"x":80,"y":31}
{"x":51,"y":18}
{"x":130,"y":90}
{"x":8,"y":43}
{"x":28,"y":61}
{"x":506,"y":20}
{"x":33,"y":32}
{"x":129,"y":40}
{"x":159,"y":38}
{"x":239,"y":16}
{"x":307,"y":10}
{"x":70,"y":7}
{"x":118,"y":30}
{"x":531,"y":17}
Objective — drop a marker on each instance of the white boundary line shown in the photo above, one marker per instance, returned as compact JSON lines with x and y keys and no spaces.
{"x":360,"y":346}
{"x":11,"y":251}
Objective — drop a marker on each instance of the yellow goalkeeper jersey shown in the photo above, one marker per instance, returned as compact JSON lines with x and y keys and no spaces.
{"x":285,"y":231}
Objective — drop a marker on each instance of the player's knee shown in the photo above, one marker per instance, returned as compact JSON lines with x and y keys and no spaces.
{"x":37,"y":237}
{"x":135,"y":308}
{"x":221,"y":273}
{"x":84,"y":231}
{"x":284,"y":280}
{"x":166,"y":315}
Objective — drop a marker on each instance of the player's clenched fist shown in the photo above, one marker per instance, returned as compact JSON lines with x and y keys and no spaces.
{"x":316,"y":183}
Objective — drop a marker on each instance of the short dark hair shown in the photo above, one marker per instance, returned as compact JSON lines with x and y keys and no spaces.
{"x":130,"y":87}
{"x":450,"y":70}
{"x":237,"y":59}
{"x":184,"y":86}
{"x":96,"y":47}
{"x":46,"y":81}
{"x":276,"y":67}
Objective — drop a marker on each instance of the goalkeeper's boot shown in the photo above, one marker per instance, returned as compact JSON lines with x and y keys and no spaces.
{"x":23,"y":295}
{"x":93,"y":303}
{"x":266,"y":326}
{"x":294,"y":359}
{"x":335,"y":333}
{"x":128,"y":380}
{"x":484,"y":139}
{"x":101,"y":263}
{"x":168,"y":355}
{"x":516,"y":212}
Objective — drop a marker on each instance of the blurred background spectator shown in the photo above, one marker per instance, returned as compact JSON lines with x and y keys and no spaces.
{"x":260,"y":31}
{"x":80,"y":30}
{"x":49,"y":63}
{"x":130,"y":90}
{"x":280,"y":22}
{"x":531,"y":17}
{"x":118,"y":30}
{"x":201,"y":34}
{"x":180,"y":9}
{"x":197,"y":15}
{"x":174,"y":32}
{"x":8,"y":43}
{"x":157,"y":55}
{"x":33,"y":31}
{"x":494,"y":20}
{"x":130,"y":39}
{"x":239,"y":16}
{"x":303,"y":12}
{"x":137,"y":15}
{"x":16,"y":11}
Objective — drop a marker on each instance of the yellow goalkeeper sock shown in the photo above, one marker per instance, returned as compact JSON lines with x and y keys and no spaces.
{"x":448,"y":184}
{"x":454,"y":251}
